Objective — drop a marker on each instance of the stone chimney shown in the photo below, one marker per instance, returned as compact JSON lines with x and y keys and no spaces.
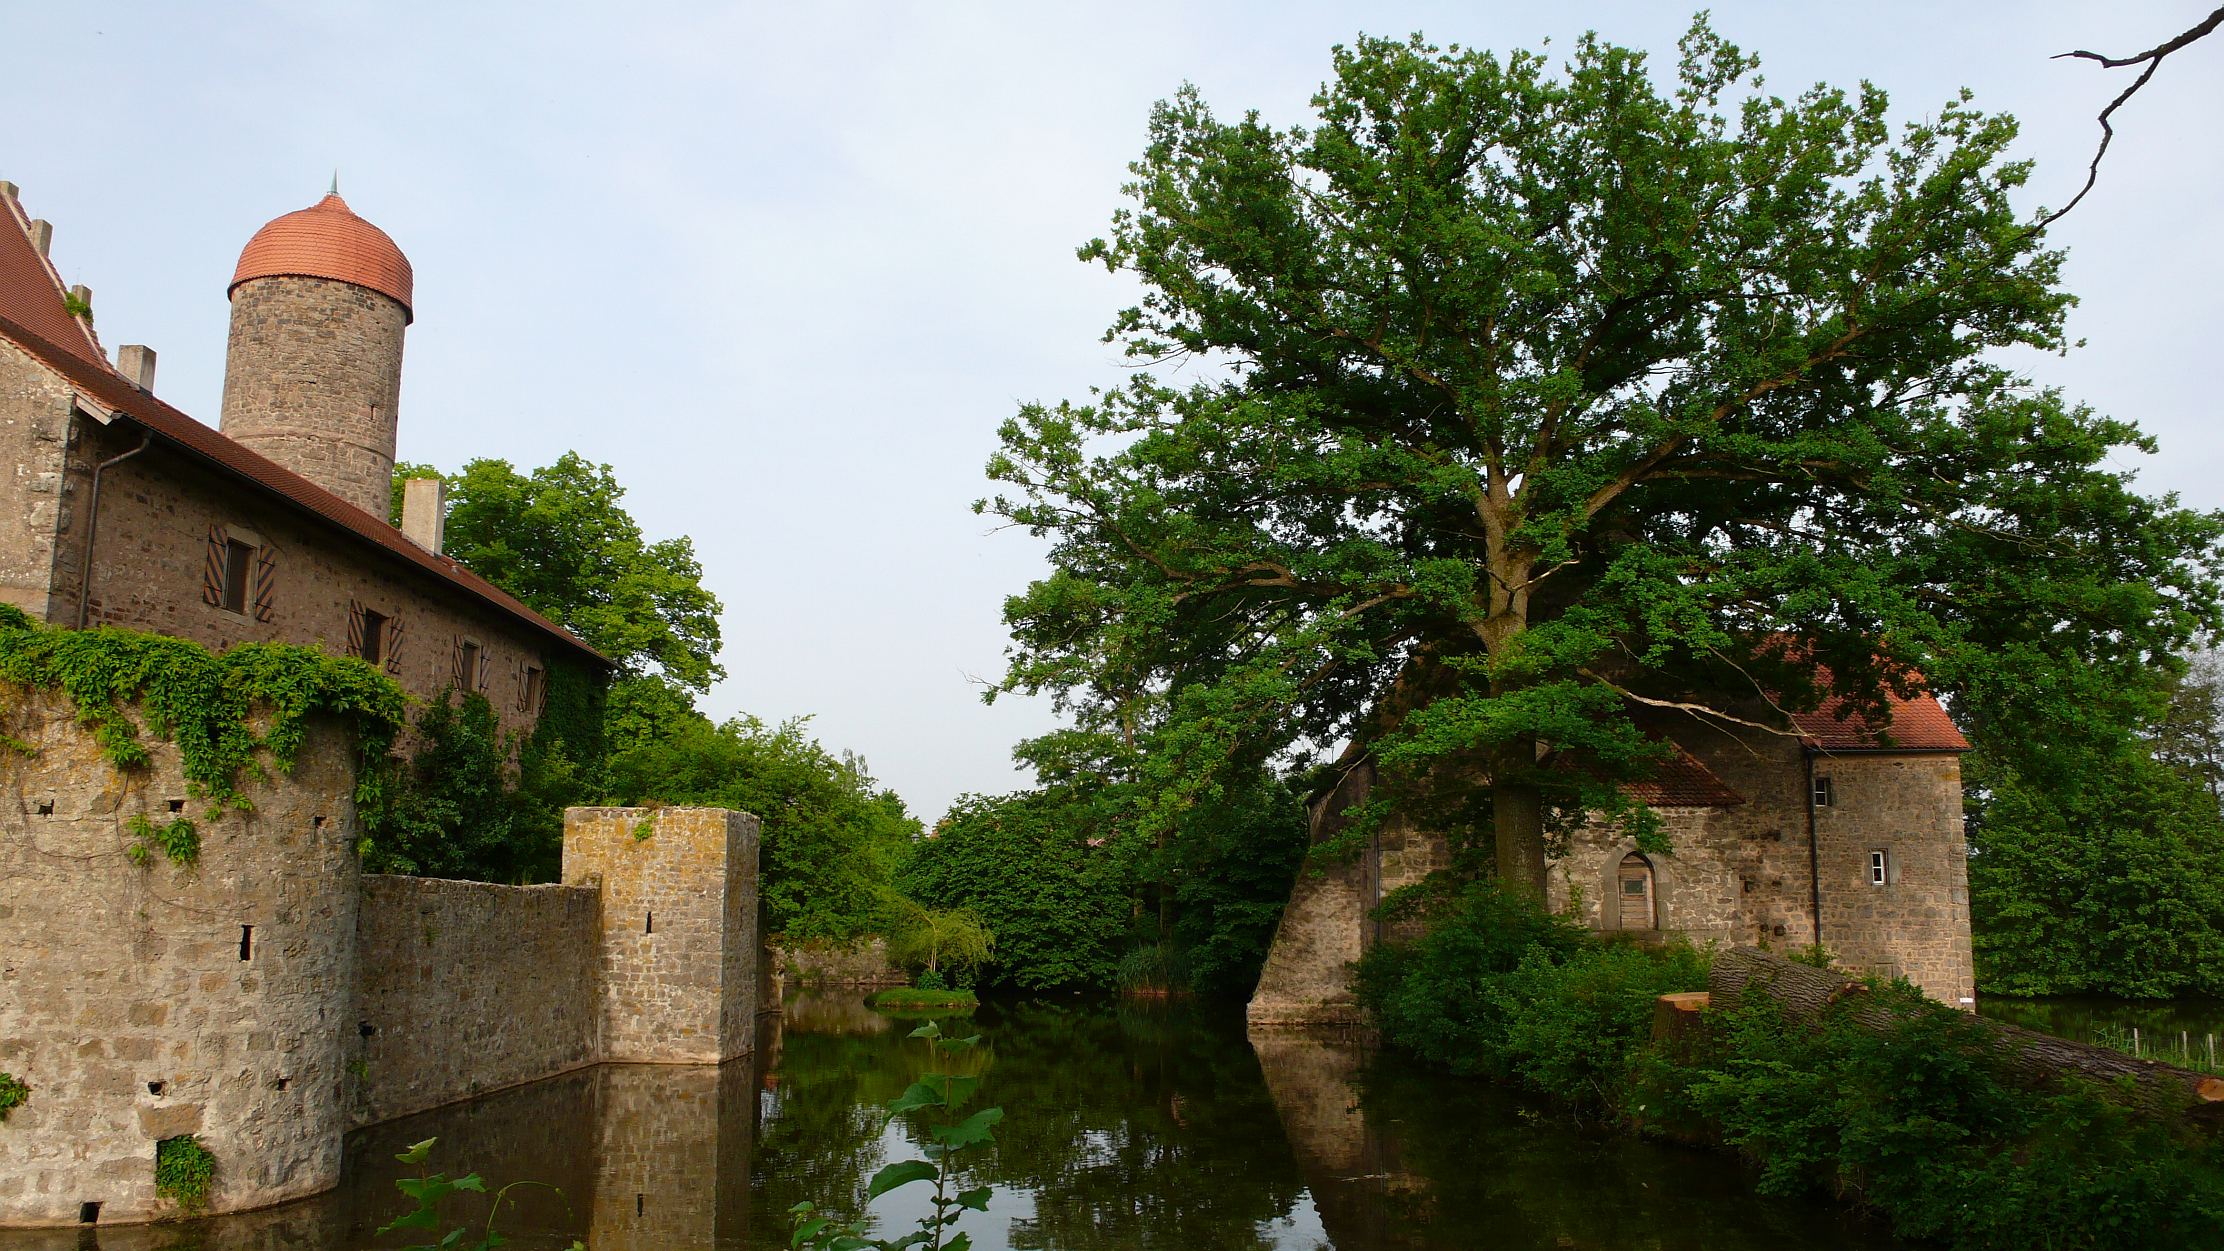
{"x":425,"y":512}
{"x":136,"y":362}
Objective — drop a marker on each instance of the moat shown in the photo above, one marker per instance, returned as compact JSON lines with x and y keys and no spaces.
{"x":1125,"y":1127}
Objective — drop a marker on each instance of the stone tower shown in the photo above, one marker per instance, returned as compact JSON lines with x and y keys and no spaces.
{"x":313,"y":374}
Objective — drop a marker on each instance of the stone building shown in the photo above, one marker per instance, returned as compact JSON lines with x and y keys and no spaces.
{"x":274,"y":526}
{"x":269,"y":997}
{"x":1832,"y":830}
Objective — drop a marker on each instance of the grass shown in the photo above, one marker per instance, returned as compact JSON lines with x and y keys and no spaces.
{"x":913,"y":997}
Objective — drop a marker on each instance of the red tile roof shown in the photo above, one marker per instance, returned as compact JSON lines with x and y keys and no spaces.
{"x":1912,"y":723}
{"x":1681,"y":781}
{"x":31,"y":290}
{"x":31,"y":316}
{"x":327,"y":240}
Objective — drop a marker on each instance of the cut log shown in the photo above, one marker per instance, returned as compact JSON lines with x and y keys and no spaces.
{"x":1680,"y":1022}
{"x":1808,"y":995}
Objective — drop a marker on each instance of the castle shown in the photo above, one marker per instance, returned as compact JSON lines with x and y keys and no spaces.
{"x":1823,"y":828}
{"x":272,"y":997}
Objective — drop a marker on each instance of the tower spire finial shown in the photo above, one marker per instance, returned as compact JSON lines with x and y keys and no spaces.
{"x":335,"y":180}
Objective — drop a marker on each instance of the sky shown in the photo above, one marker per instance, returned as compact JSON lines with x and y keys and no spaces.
{"x":786,"y":267}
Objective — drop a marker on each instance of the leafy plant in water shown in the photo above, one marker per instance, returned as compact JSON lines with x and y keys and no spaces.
{"x":184,"y":1171}
{"x":948,"y":1092}
{"x":179,"y":841}
{"x":13,"y":1093}
{"x":427,"y":1190}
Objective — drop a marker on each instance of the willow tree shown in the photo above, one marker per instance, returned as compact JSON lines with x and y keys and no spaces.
{"x":1517,"y":395}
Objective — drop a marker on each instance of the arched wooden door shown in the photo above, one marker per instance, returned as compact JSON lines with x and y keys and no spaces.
{"x":1633,"y":895}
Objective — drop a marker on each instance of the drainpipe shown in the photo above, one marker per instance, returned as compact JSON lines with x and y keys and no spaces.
{"x":1814,"y":857}
{"x":92,"y":524}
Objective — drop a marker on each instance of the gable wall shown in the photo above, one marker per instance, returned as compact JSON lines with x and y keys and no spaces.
{"x":35,"y":426}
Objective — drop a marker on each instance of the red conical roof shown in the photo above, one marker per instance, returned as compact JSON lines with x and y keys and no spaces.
{"x":327,"y":240}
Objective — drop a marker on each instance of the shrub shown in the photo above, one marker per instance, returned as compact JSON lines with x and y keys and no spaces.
{"x":13,"y":1093}
{"x":184,"y":1171}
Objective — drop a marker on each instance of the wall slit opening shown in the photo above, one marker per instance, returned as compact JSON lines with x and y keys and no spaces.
{"x":88,"y":1213}
{"x":649,"y":926}
{"x":246,"y":942}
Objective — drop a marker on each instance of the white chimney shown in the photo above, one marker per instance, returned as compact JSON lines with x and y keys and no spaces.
{"x":136,"y":362}
{"x":424,"y":512}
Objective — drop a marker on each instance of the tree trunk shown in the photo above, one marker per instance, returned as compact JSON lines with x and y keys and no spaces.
{"x":1517,"y":819}
{"x":1805,"y":994}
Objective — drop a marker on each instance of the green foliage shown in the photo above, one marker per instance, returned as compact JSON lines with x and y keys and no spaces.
{"x":946,"y":1093}
{"x":1813,"y":955}
{"x":923,"y":996}
{"x":227,"y":714}
{"x":1923,"y":1123}
{"x":935,"y":936}
{"x":427,"y":1190}
{"x":559,"y":539}
{"x":831,"y":836}
{"x":177,"y":841}
{"x":1498,"y":986}
{"x":1232,"y":861}
{"x":1524,"y":387}
{"x":457,"y":808}
{"x":1024,"y":864}
{"x":184,"y":1171}
{"x":1156,"y":968}
{"x":14,"y":1093}
{"x":2095,"y":868}
{"x":77,"y":306}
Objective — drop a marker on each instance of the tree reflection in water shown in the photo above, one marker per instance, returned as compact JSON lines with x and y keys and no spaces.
{"x":1131,"y":1126}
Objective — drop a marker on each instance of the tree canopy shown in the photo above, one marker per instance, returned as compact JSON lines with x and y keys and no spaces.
{"x":1517,"y":396}
{"x":560,"y":539}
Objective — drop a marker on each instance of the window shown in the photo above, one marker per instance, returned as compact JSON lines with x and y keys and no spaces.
{"x":372,"y":647}
{"x":1823,"y":796}
{"x":467,"y":665}
{"x":529,"y":691}
{"x":239,"y":574}
{"x":1879,"y":868}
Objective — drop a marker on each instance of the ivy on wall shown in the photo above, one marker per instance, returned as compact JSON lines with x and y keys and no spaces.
{"x":13,"y":1092}
{"x":229,"y":714}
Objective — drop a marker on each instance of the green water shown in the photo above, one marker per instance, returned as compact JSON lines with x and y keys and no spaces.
{"x":1125,"y":1128}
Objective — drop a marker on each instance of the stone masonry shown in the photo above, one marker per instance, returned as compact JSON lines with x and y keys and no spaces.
{"x":313,"y":380}
{"x":271,"y":997}
{"x":678,"y":925}
{"x":1739,"y":872}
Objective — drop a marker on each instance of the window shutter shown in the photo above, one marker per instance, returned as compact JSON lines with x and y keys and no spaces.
{"x":266,"y":583}
{"x":455,"y":665}
{"x":519,"y":702}
{"x":355,"y":627}
{"x":393,"y":647}
{"x":212,"y":569}
{"x":484,"y":678}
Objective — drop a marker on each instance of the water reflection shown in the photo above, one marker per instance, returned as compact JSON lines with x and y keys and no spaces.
{"x":1126,"y":1127}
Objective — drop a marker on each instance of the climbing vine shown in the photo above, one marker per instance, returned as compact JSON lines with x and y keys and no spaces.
{"x":226,"y":713}
{"x":179,"y":841}
{"x":13,"y":1092}
{"x":184,"y":1171}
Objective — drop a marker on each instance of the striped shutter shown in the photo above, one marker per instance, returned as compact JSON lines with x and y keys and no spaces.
{"x":266,"y":583}
{"x":393,"y":646}
{"x":456,"y":676}
{"x":355,"y":627}
{"x":520,"y":701}
{"x":485,"y":677}
{"x":212,"y":569}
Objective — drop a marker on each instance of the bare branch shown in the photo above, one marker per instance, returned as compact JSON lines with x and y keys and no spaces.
{"x":2152,"y":59}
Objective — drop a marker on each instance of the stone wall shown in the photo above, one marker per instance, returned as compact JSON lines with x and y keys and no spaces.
{"x":678,"y":930}
{"x":157,"y":512}
{"x":862,"y":963}
{"x":1916,"y":924}
{"x":142,"y":1002}
{"x":35,"y":423}
{"x":469,"y":987}
{"x":313,"y":379}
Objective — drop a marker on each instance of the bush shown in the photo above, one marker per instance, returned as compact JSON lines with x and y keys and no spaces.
{"x":13,"y":1094}
{"x":184,"y":1171}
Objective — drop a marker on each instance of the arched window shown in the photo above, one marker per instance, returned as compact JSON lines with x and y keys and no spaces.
{"x":1636,"y":909}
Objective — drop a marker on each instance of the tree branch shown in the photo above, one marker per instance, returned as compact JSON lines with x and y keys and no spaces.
{"x":2152,"y":59}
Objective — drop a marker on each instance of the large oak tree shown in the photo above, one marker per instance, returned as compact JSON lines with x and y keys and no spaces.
{"x":1516,"y":395}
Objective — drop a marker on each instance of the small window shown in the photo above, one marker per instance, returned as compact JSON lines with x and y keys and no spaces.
{"x":529,"y":693}
{"x":467,"y":665}
{"x":374,"y":637}
{"x":239,"y":574}
{"x":1823,"y":795}
{"x":1879,"y":868}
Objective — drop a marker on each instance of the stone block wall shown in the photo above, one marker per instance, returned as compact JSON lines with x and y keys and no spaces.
{"x":863,"y":963}
{"x":1916,"y":924}
{"x":466,"y":987}
{"x":678,"y":930}
{"x":35,"y":424}
{"x":143,"y":1002}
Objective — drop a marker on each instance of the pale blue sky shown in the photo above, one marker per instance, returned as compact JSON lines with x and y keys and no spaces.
{"x":786,"y":266}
